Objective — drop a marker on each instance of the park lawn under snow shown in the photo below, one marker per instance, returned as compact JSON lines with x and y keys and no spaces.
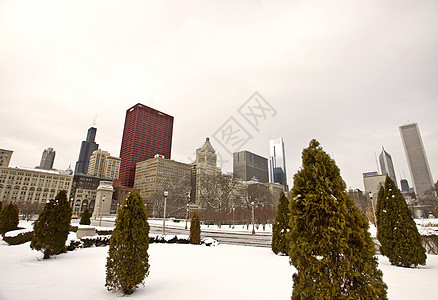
{"x":180,"y":271}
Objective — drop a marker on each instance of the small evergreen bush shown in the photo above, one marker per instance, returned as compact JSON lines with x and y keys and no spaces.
{"x":52,"y":227}
{"x":85,"y":218}
{"x":8,"y":218}
{"x":280,"y":228}
{"x":396,"y":229}
{"x":195,"y":229}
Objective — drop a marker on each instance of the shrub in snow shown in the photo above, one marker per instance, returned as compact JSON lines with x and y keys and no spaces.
{"x":8,"y":218}
{"x":209,"y":242}
{"x":52,"y":227}
{"x":280,"y":228}
{"x":195,"y":229}
{"x":127,"y":262}
{"x":85,"y":218}
{"x":396,"y":230}
{"x":19,"y":238}
{"x":330,"y":245}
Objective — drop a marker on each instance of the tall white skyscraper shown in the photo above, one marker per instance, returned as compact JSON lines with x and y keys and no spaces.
{"x":386,"y":165}
{"x":277,"y":163}
{"x":417,"y":160}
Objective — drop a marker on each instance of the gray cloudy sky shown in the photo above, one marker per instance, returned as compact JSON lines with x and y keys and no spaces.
{"x":347,"y":73}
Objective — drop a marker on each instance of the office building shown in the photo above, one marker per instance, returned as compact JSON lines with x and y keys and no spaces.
{"x":26,"y":185}
{"x":83,"y":192}
{"x":87,"y":148}
{"x":102,"y":164}
{"x":47,"y":159}
{"x":159,"y":174}
{"x":250,"y":166}
{"x":146,"y":132}
{"x":386,"y":165}
{"x":417,"y":160}
{"x":277,"y":162}
{"x":372,"y":182}
{"x":5,"y":157}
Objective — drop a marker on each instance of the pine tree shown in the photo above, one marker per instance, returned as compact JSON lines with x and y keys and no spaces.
{"x":8,"y":218}
{"x":195,"y":229}
{"x":52,"y":227}
{"x":127,"y":264}
{"x":330,"y":245}
{"x":1,"y":206}
{"x":396,"y":230}
{"x":280,"y":228}
{"x":85,"y":218}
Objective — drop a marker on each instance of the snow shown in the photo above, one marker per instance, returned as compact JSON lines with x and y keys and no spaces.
{"x":181,"y":271}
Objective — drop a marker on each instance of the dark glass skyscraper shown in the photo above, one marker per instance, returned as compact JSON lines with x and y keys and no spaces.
{"x":147,"y":132}
{"x":277,"y":163}
{"x":248,"y":166}
{"x":87,"y":148}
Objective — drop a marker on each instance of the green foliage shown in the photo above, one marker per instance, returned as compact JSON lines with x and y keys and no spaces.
{"x":280,"y":228}
{"x":19,"y":238}
{"x":396,"y":230}
{"x":195,"y":229}
{"x":1,"y":206}
{"x":8,"y":218}
{"x":127,"y":262}
{"x":52,"y":227}
{"x":330,"y":245}
{"x":85,"y":218}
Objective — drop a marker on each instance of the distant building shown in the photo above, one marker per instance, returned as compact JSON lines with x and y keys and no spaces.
{"x":26,"y":185}
{"x":47,"y":159}
{"x":386,"y":165}
{"x":158,"y":174}
{"x":277,"y":162}
{"x":147,"y":132}
{"x":87,"y":148}
{"x":83,"y":192}
{"x":417,"y":160}
{"x":249,"y":166}
{"x":404,"y":185}
{"x":372,"y":182}
{"x":102,"y":164}
{"x":5,"y":157}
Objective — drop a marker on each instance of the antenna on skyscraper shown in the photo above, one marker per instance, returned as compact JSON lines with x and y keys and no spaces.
{"x":377,"y":164}
{"x":94,"y":120}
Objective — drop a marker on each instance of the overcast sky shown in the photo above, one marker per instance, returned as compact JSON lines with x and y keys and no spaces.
{"x":347,"y":73}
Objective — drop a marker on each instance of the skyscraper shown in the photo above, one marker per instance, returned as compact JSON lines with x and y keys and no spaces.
{"x":87,"y":148}
{"x":386,"y":165}
{"x":247,"y":166}
{"x":277,"y":163}
{"x":147,"y":132}
{"x":47,"y":159}
{"x":102,"y":164}
{"x":417,"y":160}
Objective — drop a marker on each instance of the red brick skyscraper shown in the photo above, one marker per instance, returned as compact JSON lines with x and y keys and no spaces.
{"x":147,"y":132}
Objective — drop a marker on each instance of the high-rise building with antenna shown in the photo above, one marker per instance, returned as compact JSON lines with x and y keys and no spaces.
{"x":277,"y":163}
{"x":417,"y":160}
{"x":87,"y":148}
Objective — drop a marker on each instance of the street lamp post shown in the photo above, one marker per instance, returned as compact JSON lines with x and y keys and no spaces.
{"x":252,"y":206}
{"x":233,"y":217}
{"x":166,"y":193}
{"x":187,"y":214}
{"x":101,"y":210}
{"x":372,"y":205}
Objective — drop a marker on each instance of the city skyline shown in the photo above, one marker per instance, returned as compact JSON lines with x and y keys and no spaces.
{"x":338,"y":72}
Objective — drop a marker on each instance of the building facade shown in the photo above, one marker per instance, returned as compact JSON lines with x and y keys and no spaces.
{"x":83,"y":193}
{"x":102,"y":164}
{"x":372,"y":182}
{"x":386,"y":165}
{"x":146,"y":132}
{"x":47,"y":159}
{"x":158,"y":174}
{"x":417,"y":160}
{"x":277,"y":163}
{"x":5,"y":157}
{"x":26,"y":185}
{"x":87,"y":148}
{"x":250,"y":166}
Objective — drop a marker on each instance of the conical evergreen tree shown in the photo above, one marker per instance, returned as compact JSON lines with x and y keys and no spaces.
{"x":8,"y":218}
{"x":330,"y":245}
{"x":85,"y":218}
{"x":280,"y":228}
{"x":52,"y":227}
{"x":396,"y":230}
{"x":195,"y":229}
{"x":127,"y":264}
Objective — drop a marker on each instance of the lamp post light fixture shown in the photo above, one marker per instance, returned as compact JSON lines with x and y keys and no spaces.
{"x":252,"y":206}
{"x":101,"y":210}
{"x":372,"y":205}
{"x":166,"y":193}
